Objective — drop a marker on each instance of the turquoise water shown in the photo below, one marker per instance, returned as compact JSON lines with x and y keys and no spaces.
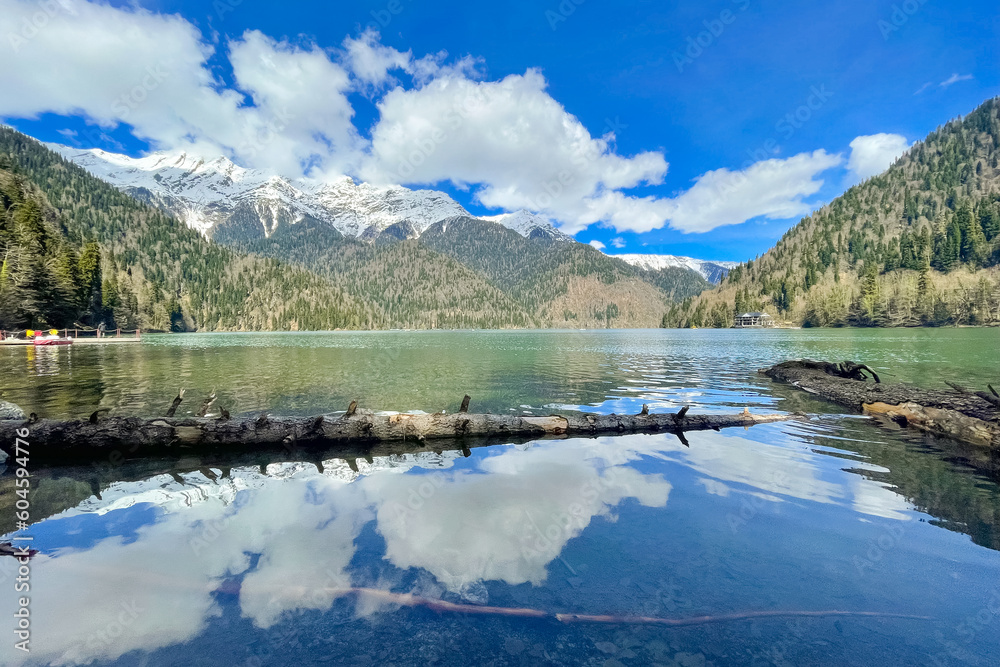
{"x":308,"y":373}
{"x":274,"y":562}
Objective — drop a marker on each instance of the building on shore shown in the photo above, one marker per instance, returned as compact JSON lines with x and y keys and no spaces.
{"x":754,"y":320}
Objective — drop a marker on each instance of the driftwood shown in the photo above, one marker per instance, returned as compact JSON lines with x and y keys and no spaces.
{"x":177,"y":402}
{"x":96,"y":438}
{"x":957,"y":413}
{"x":207,"y":404}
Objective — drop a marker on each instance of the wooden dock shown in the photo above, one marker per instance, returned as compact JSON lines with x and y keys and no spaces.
{"x":78,"y":336}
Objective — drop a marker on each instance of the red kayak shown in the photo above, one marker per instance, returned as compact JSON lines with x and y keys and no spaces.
{"x":53,"y":341}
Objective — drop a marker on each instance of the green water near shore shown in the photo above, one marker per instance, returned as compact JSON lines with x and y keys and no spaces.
{"x":309,"y":373}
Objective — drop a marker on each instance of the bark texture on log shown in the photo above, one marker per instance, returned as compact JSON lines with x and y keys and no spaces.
{"x":84,"y":439}
{"x":957,"y":414}
{"x":943,"y":422}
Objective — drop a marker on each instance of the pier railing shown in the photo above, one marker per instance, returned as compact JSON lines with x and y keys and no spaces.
{"x":75,"y":333}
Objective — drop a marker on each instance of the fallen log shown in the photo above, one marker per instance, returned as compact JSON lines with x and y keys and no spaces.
{"x":957,"y":413}
{"x":88,"y":439}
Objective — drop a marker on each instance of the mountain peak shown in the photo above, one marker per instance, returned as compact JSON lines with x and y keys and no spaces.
{"x":712,"y":271}
{"x":529,"y":225}
{"x":206,"y":193}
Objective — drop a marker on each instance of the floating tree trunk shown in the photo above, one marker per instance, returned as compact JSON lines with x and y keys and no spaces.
{"x":97,"y":437}
{"x":958,"y":413}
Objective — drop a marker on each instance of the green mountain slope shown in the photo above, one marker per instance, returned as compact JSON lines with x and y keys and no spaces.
{"x":917,"y":245}
{"x":561,"y":284}
{"x":154,"y":271}
{"x":408,"y":284}
{"x":143,"y":268}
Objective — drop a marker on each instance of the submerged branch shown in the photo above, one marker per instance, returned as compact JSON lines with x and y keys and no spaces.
{"x":408,"y":600}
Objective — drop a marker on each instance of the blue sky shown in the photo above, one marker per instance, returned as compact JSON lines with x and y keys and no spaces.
{"x":701,"y":86}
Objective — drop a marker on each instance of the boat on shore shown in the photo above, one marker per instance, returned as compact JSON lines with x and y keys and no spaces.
{"x":51,"y":340}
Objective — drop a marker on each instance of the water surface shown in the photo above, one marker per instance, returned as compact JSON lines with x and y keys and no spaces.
{"x":250,"y":562}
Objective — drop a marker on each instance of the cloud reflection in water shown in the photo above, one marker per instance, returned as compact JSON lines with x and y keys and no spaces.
{"x":503,"y":515}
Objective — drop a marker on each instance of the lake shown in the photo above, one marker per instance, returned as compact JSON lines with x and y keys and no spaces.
{"x":280,"y":560}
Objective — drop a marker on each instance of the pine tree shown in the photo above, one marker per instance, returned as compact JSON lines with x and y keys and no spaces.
{"x":89,"y":285}
{"x":989,"y":220}
{"x":974,"y":249}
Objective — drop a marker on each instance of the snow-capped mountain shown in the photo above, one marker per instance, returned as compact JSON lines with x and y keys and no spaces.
{"x":206,"y":194}
{"x":530,"y":225}
{"x":210,"y":195}
{"x":711,"y":271}
{"x":227,"y":202}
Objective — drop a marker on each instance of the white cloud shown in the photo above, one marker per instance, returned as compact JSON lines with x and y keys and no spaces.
{"x":618,"y":242}
{"x":774,"y":189}
{"x":510,"y":138}
{"x":288,"y":111}
{"x":955,"y":78}
{"x":128,"y":65}
{"x":874,"y":153}
{"x":301,"y":101}
{"x":597,"y":244}
{"x":371,"y":62}
{"x":524,"y":150}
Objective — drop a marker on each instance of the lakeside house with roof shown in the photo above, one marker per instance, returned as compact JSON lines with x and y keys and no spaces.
{"x":755,"y":320}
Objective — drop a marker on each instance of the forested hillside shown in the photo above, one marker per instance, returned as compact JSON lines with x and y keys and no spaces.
{"x":408,"y":284}
{"x":464,"y":272}
{"x":917,"y":245}
{"x":79,"y":252}
{"x":62,"y":228}
{"x":559,"y":283}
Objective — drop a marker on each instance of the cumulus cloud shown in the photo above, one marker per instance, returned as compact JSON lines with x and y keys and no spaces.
{"x":130,"y":66}
{"x":774,"y":189}
{"x":371,"y":62}
{"x":511,"y":139}
{"x":300,"y":97}
{"x":287,"y":110}
{"x":618,"y":242}
{"x":874,"y":153}
{"x":597,"y":244}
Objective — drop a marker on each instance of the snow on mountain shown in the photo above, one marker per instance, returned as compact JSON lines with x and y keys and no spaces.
{"x":711,"y":271}
{"x":529,"y":225}
{"x":357,"y":208}
{"x":207,"y":193}
{"x":214,"y":195}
